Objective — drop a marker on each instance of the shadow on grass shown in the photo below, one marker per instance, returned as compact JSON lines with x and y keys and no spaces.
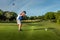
{"x":45,"y":28}
{"x":39,"y":29}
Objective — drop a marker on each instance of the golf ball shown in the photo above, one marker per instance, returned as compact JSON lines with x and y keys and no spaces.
{"x":45,"y":29}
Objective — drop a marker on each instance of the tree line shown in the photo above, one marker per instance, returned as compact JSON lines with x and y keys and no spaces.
{"x":11,"y":16}
{"x":7,"y":16}
{"x":51,"y":16}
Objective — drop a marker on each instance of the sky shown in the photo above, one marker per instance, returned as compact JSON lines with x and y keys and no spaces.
{"x":32,"y":7}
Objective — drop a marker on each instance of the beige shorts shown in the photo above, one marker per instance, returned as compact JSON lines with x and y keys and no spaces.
{"x":18,"y":21}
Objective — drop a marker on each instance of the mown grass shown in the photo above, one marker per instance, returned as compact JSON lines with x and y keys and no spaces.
{"x":9,"y":31}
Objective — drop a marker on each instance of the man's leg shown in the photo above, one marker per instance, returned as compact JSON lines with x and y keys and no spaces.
{"x":19,"y":27}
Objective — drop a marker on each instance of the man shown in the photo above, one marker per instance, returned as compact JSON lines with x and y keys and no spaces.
{"x":19,"y":18}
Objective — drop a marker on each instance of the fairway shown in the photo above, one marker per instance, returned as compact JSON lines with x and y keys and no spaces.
{"x":31,"y":31}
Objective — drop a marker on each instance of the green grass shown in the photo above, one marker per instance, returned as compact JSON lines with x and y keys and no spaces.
{"x":9,"y":31}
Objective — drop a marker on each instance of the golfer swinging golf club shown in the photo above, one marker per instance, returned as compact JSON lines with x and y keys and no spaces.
{"x":19,"y":19}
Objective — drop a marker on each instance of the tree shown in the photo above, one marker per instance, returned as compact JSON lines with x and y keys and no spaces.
{"x":1,"y":12}
{"x":10,"y":16}
{"x":41,"y":17}
{"x":57,"y":15}
{"x":33,"y":17}
{"x":6,"y":15}
{"x":25,"y":18}
{"x":1,"y":15}
{"x":49,"y":16}
{"x":13,"y":16}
